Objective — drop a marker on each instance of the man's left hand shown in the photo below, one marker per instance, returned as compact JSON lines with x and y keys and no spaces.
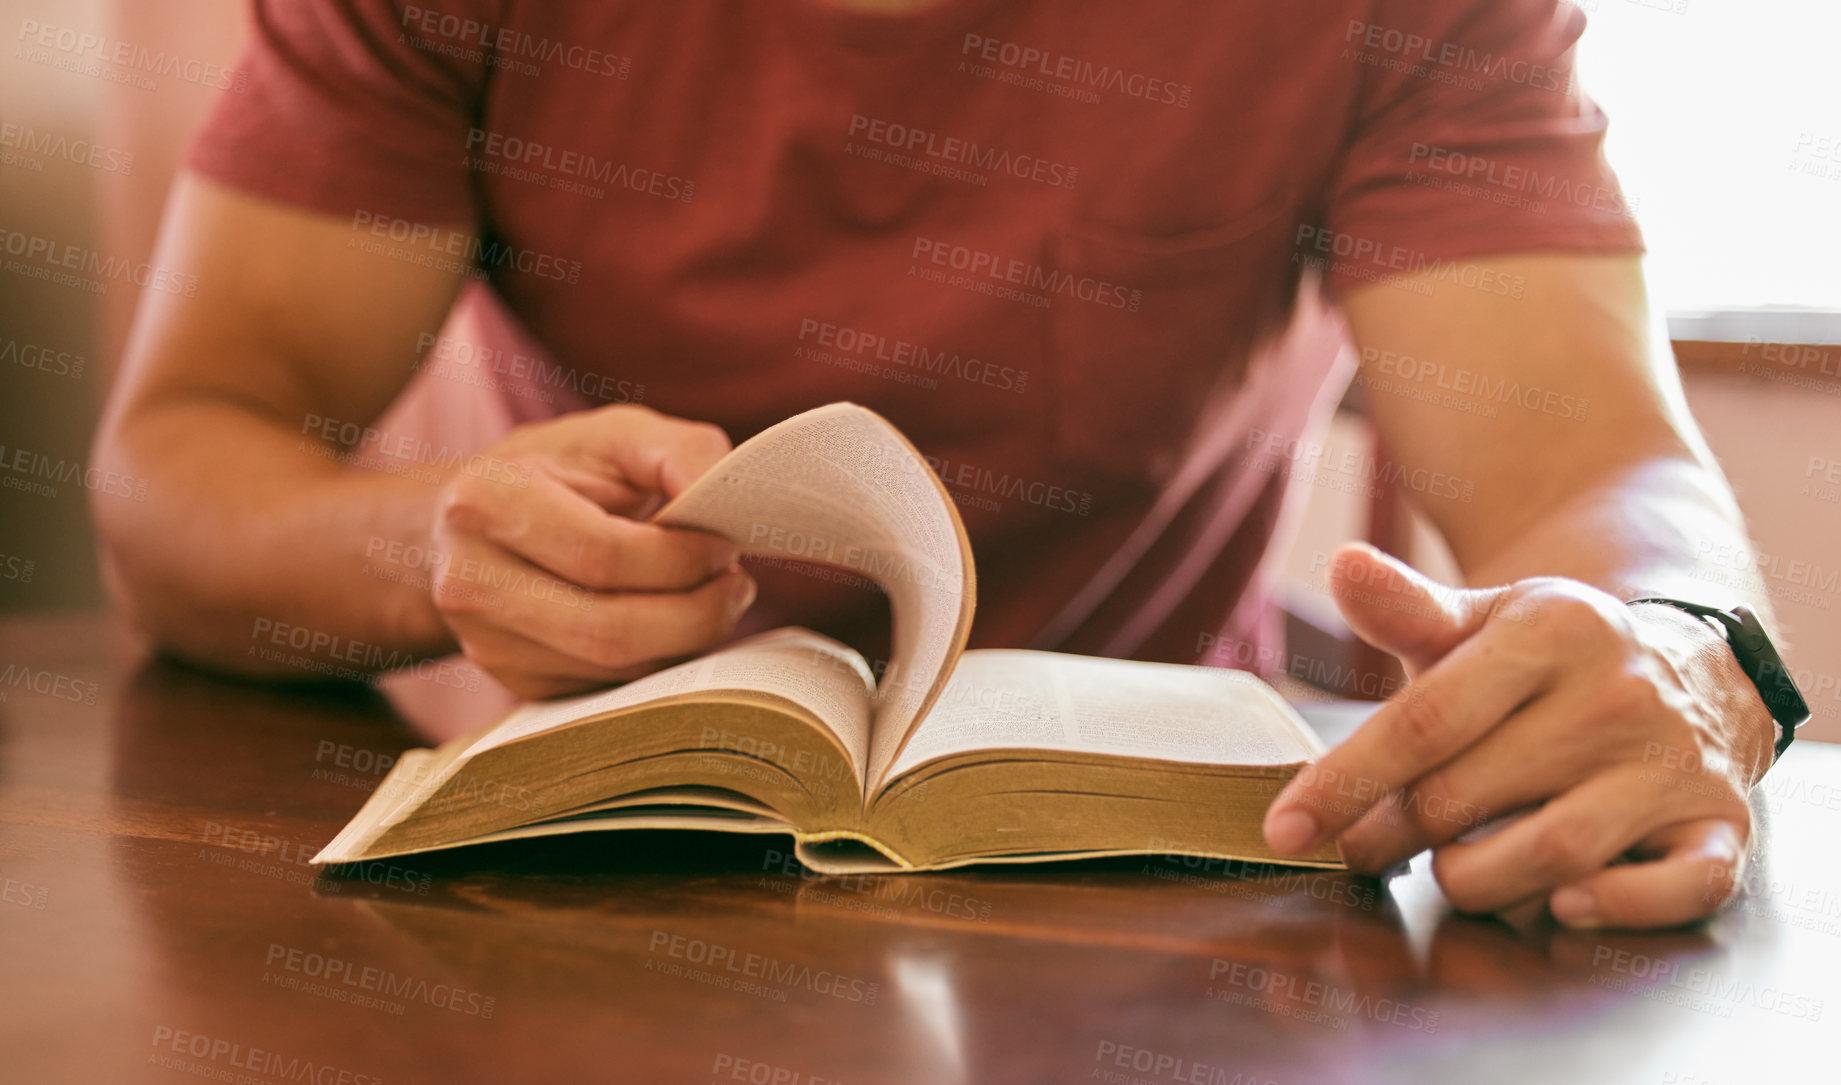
{"x":1627,"y":735}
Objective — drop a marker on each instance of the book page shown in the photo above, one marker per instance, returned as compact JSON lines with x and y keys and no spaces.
{"x":813,"y":671}
{"x":1001,"y":699}
{"x":840,"y":486}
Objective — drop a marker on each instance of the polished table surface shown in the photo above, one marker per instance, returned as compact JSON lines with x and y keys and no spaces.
{"x":159,"y":922}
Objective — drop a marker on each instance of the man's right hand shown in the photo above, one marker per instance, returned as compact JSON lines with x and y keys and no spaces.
{"x":552,"y":583}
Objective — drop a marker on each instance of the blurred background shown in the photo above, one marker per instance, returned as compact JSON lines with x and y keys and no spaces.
{"x":1726,"y":130}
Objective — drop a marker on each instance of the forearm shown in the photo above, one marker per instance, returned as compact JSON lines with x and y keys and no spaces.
{"x":255,"y":540}
{"x":1667,"y":525}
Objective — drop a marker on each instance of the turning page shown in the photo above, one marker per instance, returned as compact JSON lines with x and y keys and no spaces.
{"x":841,"y":486}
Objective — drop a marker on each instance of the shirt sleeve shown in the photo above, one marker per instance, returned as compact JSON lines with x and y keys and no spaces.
{"x":353,"y":106}
{"x":1470,"y":137}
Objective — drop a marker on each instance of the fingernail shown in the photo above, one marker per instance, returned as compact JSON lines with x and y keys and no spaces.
{"x":1575,"y":907}
{"x":741,"y":596}
{"x":1291,"y":832}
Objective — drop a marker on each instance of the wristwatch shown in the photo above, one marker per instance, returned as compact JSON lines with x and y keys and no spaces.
{"x":1759,"y":660}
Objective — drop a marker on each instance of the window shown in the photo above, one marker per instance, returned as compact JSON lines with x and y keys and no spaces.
{"x":1726,"y":133}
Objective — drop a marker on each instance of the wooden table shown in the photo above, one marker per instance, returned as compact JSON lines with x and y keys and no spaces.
{"x":159,"y":922}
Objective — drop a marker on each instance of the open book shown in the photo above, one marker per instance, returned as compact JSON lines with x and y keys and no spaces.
{"x":951,"y":757}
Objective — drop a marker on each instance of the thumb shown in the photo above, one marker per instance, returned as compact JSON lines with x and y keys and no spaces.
{"x":629,"y":458}
{"x":1402,"y":611}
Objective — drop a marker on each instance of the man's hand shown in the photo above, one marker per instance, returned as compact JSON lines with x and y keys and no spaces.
{"x":607,"y":596}
{"x":1621,"y":732}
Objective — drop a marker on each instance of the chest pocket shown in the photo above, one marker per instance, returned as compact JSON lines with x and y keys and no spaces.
{"x":1128,"y":380}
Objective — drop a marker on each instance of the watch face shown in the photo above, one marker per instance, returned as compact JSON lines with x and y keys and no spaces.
{"x":1759,"y":659}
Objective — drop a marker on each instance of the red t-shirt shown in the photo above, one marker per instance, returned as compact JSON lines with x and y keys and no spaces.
{"x":1073,"y":250}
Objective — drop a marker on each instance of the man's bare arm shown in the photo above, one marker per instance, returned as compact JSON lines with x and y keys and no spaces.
{"x":1590,"y":465}
{"x":250,"y":517}
{"x":242,"y":522}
